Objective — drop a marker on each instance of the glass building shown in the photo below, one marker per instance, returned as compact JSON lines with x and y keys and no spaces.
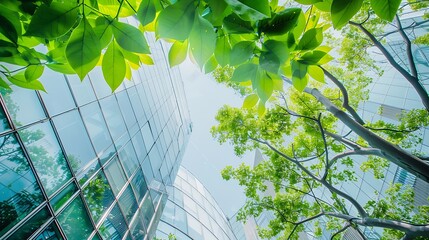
{"x":81,"y":162}
{"x":192,"y":213}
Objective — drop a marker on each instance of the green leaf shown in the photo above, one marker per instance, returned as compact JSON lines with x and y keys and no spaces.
{"x":7,"y":49}
{"x":245,"y":72}
{"x":8,"y":29}
{"x":308,"y":2}
{"x":311,"y":39}
{"x":324,"y":6}
{"x":385,"y":9}
{"x":223,"y":50}
{"x":202,"y":40}
{"x":281,"y":22}
{"x":83,"y":49}
{"x":250,"y":101}
{"x":13,"y":18}
{"x":261,"y":108}
{"x":176,"y":21}
{"x":343,"y":10}
{"x":241,"y":52}
{"x":299,"y":75}
{"x":177,"y":53}
{"x":312,"y":58}
{"x":129,"y":37}
{"x":146,"y":12}
{"x":114,"y":67}
{"x":316,"y":73}
{"x":264,"y":85}
{"x":233,"y":24}
{"x":251,"y":9}
{"x":4,"y":84}
{"x":103,"y":31}
{"x":52,"y":21}
{"x":20,"y":81}
{"x":61,"y":68}
{"x":218,"y":10}
{"x":210,"y":65}
{"x":33,"y":72}
{"x":273,"y":55}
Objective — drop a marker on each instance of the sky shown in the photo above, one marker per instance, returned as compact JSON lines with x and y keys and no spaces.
{"x":204,"y":156}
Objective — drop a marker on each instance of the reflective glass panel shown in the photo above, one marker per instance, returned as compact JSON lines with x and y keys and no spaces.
{"x":50,"y":233}
{"x":19,"y":191}
{"x":32,"y":225}
{"x":56,"y":89}
{"x":139,"y":185}
{"x":74,"y":139}
{"x":46,"y":155}
{"x":82,"y":90}
{"x":63,"y":196}
{"x":113,"y":116}
{"x":96,"y":126}
{"x":23,"y":105}
{"x":98,"y":196}
{"x":116,"y":175}
{"x":128,"y":203}
{"x":139,"y":146}
{"x":100,"y":86}
{"x":146,"y":211}
{"x":75,"y":221}
{"x":4,"y":124}
{"x":126,"y":109}
{"x":128,"y":158}
{"x":114,"y":227}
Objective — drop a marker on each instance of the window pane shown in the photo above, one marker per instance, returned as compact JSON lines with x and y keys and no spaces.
{"x":146,"y":211}
{"x":116,"y":175}
{"x":19,"y":191}
{"x":128,"y":158}
{"x":4,"y":124}
{"x":128,"y":203}
{"x":96,"y":126}
{"x":114,"y":226}
{"x":75,"y":222}
{"x":46,"y":155}
{"x":58,"y":201}
{"x":98,"y":196}
{"x":56,"y":88}
{"x":50,"y":233}
{"x":126,"y":109}
{"x":31,"y":225}
{"x":139,"y":185}
{"x":139,"y":146}
{"x":23,"y":105}
{"x":75,"y":139}
{"x":100,"y":86}
{"x":82,"y":90}
{"x":113,"y":116}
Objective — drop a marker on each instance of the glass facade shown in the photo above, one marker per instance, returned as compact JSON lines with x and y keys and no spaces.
{"x":81,"y":162}
{"x":192,"y":213}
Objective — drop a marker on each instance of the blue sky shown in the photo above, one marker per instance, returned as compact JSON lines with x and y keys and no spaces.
{"x":204,"y":156}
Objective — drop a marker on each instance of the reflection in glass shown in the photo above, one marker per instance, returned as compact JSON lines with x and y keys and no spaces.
{"x":146,"y":211}
{"x":113,"y":116}
{"x":46,"y":155}
{"x":56,"y":88}
{"x":63,"y":196}
{"x":128,"y":203}
{"x":128,"y":159}
{"x":114,"y":226}
{"x":98,"y":196}
{"x":4,"y":124}
{"x":50,"y":233}
{"x":139,"y":185}
{"x":126,"y":109}
{"x":96,"y":126}
{"x":75,"y":222}
{"x":23,"y":105}
{"x":75,"y":139}
{"x":19,"y":191}
{"x":32,"y":225}
{"x":116,"y":175}
{"x":82,"y":90}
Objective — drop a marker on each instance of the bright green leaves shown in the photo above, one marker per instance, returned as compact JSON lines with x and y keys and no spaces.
{"x":264,"y":85}
{"x":202,"y":40}
{"x":52,"y":21}
{"x":241,"y":52}
{"x":299,"y":75}
{"x":343,"y":10}
{"x":146,"y":12}
{"x":316,"y":73}
{"x":250,"y":101}
{"x":114,"y":66}
{"x":385,"y":9}
{"x":250,"y":9}
{"x":274,"y":54}
{"x":223,"y":50}
{"x":20,"y":81}
{"x":177,"y":53}
{"x":83,"y":49}
{"x":129,"y":38}
{"x":245,"y":72}
{"x":8,"y":29}
{"x":311,"y":39}
{"x":176,"y":21}
{"x":280,"y":23}
{"x":33,"y":72}
{"x":233,"y":24}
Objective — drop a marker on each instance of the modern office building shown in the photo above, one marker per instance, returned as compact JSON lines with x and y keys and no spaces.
{"x":81,"y":162}
{"x":192,"y":213}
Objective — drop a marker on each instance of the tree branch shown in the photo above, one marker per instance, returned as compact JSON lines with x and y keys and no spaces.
{"x":404,"y":36}
{"x":341,"y":230}
{"x":363,"y":151}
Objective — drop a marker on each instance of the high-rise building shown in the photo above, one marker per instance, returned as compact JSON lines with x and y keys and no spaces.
{"x":81,"y":162}
{"x":192,"y":213}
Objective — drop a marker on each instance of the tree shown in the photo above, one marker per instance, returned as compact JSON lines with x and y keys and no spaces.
{"x":306,"y":157}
